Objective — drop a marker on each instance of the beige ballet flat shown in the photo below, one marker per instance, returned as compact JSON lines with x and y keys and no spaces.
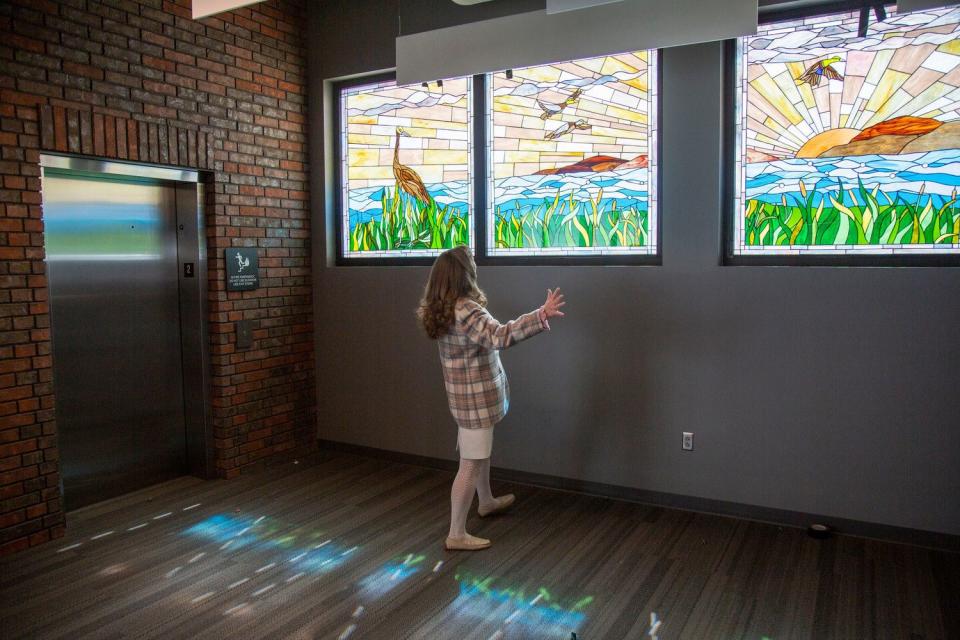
{"x":470,"y":543}
{"x":503,"y":503}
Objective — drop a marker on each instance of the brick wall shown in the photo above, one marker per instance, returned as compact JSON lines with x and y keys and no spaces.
{"x":141,"y":80}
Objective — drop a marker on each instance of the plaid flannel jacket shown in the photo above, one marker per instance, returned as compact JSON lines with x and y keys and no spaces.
{"x":476,"y":383}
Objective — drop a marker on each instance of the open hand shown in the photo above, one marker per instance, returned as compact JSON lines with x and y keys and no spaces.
{"x":551,"y":308}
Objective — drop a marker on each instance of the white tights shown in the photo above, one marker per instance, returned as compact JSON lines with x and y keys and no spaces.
{"x":473,"y":475}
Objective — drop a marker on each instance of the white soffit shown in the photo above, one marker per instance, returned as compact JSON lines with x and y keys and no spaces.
{"x":536,"y":37}
{"x":204,"y":8}
{"x":557,"y":6}
{"x":906,"y":6}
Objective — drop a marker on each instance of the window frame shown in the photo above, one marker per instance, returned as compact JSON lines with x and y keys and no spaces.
{"x":645,"y":259}
{"x":729,"y":209}
{"x":379,"y":261}
{"x":480,"y":174}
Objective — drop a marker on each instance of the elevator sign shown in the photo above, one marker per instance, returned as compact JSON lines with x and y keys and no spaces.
{"x":242,"y":269}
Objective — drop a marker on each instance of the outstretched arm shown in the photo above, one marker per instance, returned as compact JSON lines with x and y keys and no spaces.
{"x":483,"y":329}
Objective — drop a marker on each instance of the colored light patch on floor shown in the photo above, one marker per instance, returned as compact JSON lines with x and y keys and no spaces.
{"x":325,"y":558}
{"x":224,"y":528}
{"x":482,"y":597}
{"x":391,"y":575}
{"x":305,"y":549}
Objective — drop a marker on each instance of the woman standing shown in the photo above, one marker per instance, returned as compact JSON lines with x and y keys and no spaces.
{"x":453,"y":312}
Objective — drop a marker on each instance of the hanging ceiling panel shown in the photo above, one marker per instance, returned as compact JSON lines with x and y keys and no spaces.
{"x":537,"y":37}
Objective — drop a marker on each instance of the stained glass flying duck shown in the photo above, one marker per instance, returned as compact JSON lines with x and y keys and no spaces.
{"x":567,"y":127}
{"x":406,"y":177}
{"x":550,"y":109}
{"x":820,"y":70}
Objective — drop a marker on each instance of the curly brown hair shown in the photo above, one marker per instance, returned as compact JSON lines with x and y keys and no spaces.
{"x":453,"y":276}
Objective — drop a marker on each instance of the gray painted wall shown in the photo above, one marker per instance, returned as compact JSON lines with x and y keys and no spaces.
{"x":821,"y":390}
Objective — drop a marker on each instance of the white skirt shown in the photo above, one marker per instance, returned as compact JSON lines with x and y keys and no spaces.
{"x":475,"y":444}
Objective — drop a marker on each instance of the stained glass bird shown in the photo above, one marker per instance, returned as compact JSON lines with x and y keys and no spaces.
{"x":406,"y":177}
{"x":820,"y":70}
{"x":550,"y":109}
{"x":566,"y":128}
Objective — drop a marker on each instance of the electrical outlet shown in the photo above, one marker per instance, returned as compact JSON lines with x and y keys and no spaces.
{"x":687,"y":441}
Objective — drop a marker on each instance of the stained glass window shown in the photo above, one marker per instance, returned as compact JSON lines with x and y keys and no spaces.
{"x":572,"y":158}
{"x":405,"y":177}
{"x":849,"y":145}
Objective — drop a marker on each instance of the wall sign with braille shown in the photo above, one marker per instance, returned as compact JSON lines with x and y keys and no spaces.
{"x":242,"y":268}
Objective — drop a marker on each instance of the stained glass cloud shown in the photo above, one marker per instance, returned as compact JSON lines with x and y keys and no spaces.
{"x":849,"y":144}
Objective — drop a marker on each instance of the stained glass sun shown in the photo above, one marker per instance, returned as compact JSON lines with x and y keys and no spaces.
{"x":850,"y":144}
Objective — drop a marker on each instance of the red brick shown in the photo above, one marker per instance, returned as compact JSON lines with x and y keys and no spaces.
{"x":84,"y":70}
{"x":14,"y":182}
{"x":11,"y":253}
{"x":157,"y":39}
{"x":39,"y":537}
{"x":163,"y":88}
{"x":272,"y":33}
{"x":132,"y":146}
{"x":16,"y":475}
{"x":15,"y":97}
{"x":60,"y":128}
{"x":99,"y":137}
{"x":110,"y":136}
{"x":122,"y":139}
{"x":24,"y":350}
{"x":177,"y":56}
{"x":10,"y":490}
{"x":173,"y":8}
{"x":16,"y":448}
{"x":18,"y":420}
{"x":15,"y":393}
{"x":13,"y":546}
{"x":249,"y":86}
{"x":20,"y":42}
{"x":22,"y":364}
{"x":159,"y":63}
{"x":36,"y":511}
{"x":265,"y":80}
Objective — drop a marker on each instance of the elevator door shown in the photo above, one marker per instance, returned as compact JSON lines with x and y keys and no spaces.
{"x":111,"y":248}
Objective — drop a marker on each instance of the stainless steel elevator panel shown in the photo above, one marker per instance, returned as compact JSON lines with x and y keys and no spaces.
{"x":111,"y":246}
